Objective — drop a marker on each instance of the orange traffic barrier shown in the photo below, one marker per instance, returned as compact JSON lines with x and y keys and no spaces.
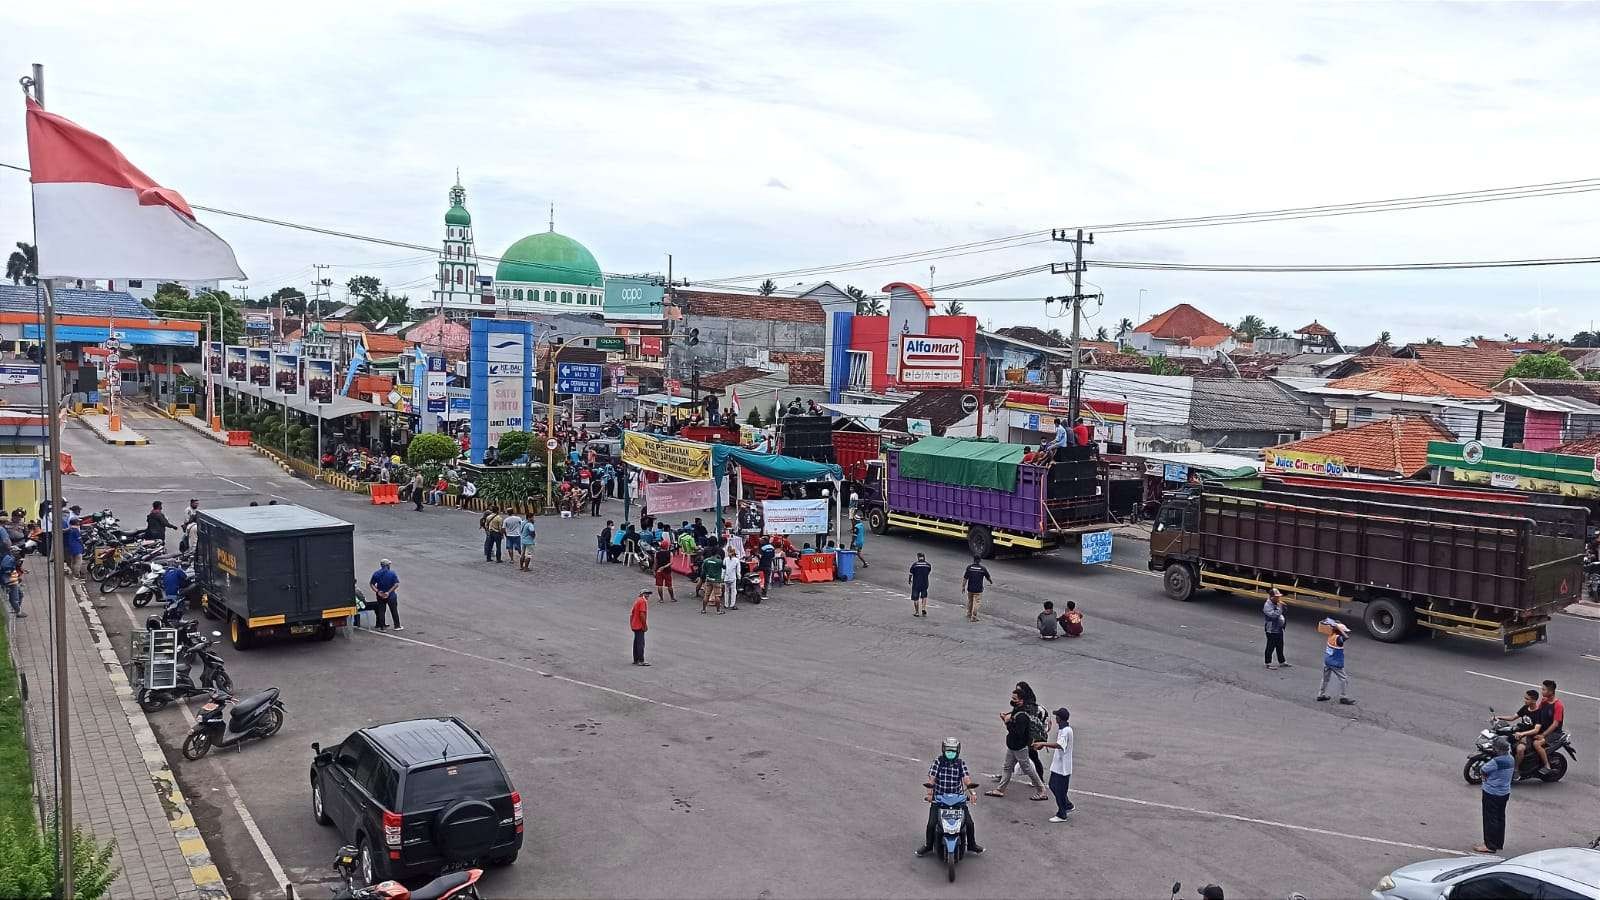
{"x":238,"y":439}
{"x":814,"y":567}
{"x":66,"y":465}
{"x":385,"y":494}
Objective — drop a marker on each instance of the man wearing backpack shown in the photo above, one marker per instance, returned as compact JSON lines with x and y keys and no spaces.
{"x":1019,"y":737}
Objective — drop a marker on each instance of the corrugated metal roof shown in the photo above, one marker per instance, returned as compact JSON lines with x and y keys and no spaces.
{"x":1567,"y":405}
{"x":1221,"y":404}
{"x":74,"y":302}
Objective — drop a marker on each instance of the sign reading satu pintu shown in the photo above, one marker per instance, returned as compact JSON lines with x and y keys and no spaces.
{"x":675,"y":458}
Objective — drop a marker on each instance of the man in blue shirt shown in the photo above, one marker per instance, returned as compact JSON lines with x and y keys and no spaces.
{"x":1496,"y":791}
{"x":11,"y":575}
{"x":172,"y":588}
{"x":386,"y":591}
{"x":921,"y":571}
{"x":858,"y":541}
{"x":949,"y":777}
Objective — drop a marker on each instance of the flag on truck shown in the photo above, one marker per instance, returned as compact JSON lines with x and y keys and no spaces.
{"x":96,"y":215}
{"x":733,"y":404}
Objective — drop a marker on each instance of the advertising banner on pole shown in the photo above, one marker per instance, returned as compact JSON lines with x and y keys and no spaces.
{"x":319,"y":380}
{"x":286,"y":373}
{"x":214,"y":360}
{"x":237,"y":369}
{"x":438,"y":388}
{"x":794,"y":516}
{"x":260,"y":366}
{"x":19,"y":374}
{"x":676,"y":458}
{"x":507,"y":378}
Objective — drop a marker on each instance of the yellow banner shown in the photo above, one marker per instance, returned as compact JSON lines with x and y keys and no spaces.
{"x":675,"y":458}
{"x":1301,"y":463}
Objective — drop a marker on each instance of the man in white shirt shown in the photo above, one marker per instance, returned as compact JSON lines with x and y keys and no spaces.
{"x":1060,"y":764}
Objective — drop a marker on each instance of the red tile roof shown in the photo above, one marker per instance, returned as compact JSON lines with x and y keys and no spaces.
{"x":330,"y":328}
{"x":385,"y":344}
{"x":1410,"y":378}
{"x":1397,"y":446}
{"x":1589,"y":446}
{"x":1316,"y":328}
{"x":1516,"y":346}
{"x":1208,"y":340}
{"x":749,"y":306}
{"x":716,"y":381}
{"x":1470,"y":364}
{"x":1183,"y":321}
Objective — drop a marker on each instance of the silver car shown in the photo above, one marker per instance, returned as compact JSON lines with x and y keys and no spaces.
{"x":1565,"y":873}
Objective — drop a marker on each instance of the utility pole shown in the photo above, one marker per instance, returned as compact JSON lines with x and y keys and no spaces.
{"x":316,"y":287}
{"x":1075,"y":269}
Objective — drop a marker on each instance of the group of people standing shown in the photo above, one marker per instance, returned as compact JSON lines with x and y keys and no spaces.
{"x":507,"y":533}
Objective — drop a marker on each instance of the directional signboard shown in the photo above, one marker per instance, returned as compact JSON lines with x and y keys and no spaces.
{"x":577,"y":378}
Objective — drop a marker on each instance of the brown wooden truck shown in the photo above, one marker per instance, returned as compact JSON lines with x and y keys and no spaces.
{"x":1494,"y":571}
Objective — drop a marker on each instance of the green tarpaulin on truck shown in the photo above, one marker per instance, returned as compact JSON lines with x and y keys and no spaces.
{"x":969,"y":462}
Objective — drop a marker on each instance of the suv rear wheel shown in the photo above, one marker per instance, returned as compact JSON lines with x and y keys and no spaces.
{"x":373,"y":866}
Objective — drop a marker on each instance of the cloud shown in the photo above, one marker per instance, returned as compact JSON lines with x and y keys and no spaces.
{"x":775,"y":183}
{"x":1310,"y":59}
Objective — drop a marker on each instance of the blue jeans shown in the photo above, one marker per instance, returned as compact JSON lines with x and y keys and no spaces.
{"x":1058,"y":786}
{"x":14,"y":597}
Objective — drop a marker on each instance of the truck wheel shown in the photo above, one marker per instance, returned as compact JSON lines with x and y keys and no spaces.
{"x":1388,"y":620}
{"x":980,"y":540}
{"x":1179,"y":582}
{"x":238,"y":633}
{"x":878,"y":520}
{"x":326,"y":632}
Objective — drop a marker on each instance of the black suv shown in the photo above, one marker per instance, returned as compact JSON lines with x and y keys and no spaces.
{"x":417,"y":797}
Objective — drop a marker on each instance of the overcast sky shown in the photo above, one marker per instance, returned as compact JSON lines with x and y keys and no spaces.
{"x":747,"y":139}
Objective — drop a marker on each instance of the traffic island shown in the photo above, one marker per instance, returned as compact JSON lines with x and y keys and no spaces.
{"x":100,"y":424}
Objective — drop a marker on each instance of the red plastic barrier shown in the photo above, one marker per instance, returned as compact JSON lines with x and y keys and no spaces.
{"x":238,"y":439}
{"x":385,"y":494}
{"x":814,"y":567}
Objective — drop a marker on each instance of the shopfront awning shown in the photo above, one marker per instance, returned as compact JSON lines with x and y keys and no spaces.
{"x":339,"y":408}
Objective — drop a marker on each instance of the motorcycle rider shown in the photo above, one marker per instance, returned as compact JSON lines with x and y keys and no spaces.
{"x":1551,"y":719}
{"x":949,"y":775}
{"x":172,"y":590}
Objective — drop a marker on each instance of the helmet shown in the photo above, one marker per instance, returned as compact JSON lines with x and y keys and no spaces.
{"x":950,"y":744}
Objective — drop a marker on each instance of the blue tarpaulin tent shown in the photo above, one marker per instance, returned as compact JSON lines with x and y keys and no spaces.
{"x":779,"y":468}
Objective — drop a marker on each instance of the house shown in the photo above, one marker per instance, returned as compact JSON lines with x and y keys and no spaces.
{"x":1517,"y":347}
{"x":1405,"y":388}
{"x":1183,"y":331}
{"x":1395,"y":447}
{"x":1482,"y":367}
{"x":1316,"y":338}
{"x":720,"y":330}
{"x":1010,"y":358}
{"x":1233,"y":414}
{"x":1542,"y":413}
{"x":1310,"y":365}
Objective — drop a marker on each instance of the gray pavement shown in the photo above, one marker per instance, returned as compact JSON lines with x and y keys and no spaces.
{"x":779,"y":750}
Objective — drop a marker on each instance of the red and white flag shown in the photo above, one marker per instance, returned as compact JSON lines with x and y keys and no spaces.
{"x":97,"y":216}
{"x":734,"y":404}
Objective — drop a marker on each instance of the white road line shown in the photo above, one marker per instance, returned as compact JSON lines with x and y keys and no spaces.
{"x":1592,"y":657}
{"x":542,"y":674}
{"x":1134,"y":571}
{"x":267,"y":856}
{"x":234,"y":483}
{"x":1526,"y":683}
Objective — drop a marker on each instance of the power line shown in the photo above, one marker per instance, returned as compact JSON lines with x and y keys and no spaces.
{"x":1350,"y":267}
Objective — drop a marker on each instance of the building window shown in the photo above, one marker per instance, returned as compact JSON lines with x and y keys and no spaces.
{"x":566,"y":296}
{"x":460,"y":275}
{"x":517,"y":293}
{"x":549,"y":296}
{"x":860,"y":370}
{"x":135,"y":283}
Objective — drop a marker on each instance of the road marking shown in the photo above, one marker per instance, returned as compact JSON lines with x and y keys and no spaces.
{"x":1592,"y":657}
{"x":1120,"y":568}
{"x":267,"y":856}
{"x":1526,"y":683}
{"x":542,"y":674}
{"x":234,"y":483}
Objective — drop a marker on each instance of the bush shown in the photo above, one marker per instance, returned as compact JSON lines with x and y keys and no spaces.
{"x":28,"y":863}
{"x":754,"y":421}
{"x":513,"y":486}
{"x":431,"y":448}
{"x":513,"y":444}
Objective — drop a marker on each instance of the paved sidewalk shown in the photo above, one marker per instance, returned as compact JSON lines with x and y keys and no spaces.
{"x":101,"y":426}
{"x":121,"y":786}
{"x":201,"y":427}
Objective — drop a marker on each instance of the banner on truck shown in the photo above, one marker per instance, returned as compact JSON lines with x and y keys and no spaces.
{"x":794,"y":516}
{"x":675,"y":458}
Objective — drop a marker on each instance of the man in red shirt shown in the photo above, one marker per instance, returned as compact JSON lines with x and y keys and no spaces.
{"x":637,"y":620}
{"x":1083,"y":433}
{"x":1553,"y":716}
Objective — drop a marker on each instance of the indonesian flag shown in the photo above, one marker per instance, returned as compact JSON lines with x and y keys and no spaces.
{"x":734,"y":393}
{"x":97,"y":216}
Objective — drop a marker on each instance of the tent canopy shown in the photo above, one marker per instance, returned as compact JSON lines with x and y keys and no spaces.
{"x":780,"y":468}
{"x":971,"y":462}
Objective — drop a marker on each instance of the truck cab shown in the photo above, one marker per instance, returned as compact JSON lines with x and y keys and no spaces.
{"x":874,"y":489}
{"x":1172,"y":537}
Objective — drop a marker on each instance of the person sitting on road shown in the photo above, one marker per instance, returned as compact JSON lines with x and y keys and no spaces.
{"x":1072,"y":620}
{"x":949,"y":778}
{"x":1048,"y":626}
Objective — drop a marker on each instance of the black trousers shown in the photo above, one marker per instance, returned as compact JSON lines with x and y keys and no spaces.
{"x":392,"y":604}
{"x":492,"y":544}
{"x":594,"y":504}
{"x":417,"y":496}
{"x":638,"y":646}
{"x":1494,"y":821}
{"x":1274,"y":642}
{"x":933,"y":826}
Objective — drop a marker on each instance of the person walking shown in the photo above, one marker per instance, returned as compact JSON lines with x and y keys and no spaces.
{"x":597,"y":493}
{"x":156,"y":524}
{"x":1060,"y":764}
{"x":974,"y":576}
{"x":1037,"y":729}
{"x":1272,"y":611}
{"x":385,"y":585}
{"x":191,"y":514}
{"x":1496,"y":792}
{"x":527,"y":543}
{"x":1333,"y":661}
{"x":11,"y":576}
{"x":858,"y":541}
{"x":732,"y":568}
{"x":921,"y":572}
{"x":1017,"y":744}
{"x":512,"y":524}
{"x":72,"y":547}
{"x":638,"y":620}
{"x":663,"y":566}
{"x":416,"y":490}
{"x":494,"y":533}
{"x":711,"y":582}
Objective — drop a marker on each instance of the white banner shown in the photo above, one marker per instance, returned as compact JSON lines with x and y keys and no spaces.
{"x":667,"y":497}
{"x":794,"y":516}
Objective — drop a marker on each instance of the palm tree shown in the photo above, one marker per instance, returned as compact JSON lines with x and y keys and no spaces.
{"x":767,"y":288}
{"x":1101,"y":334}
{"x":1250,"y":327}
{"x":955,"y":308}
{"x":1434,"y":342}
{"x":1057,"y":336}
{"x":1123,"y":327}
{"x":865,"y":306}
{"x":1383,"y":337}
{"x":1273,"y":331}
{"x":23,"y":265}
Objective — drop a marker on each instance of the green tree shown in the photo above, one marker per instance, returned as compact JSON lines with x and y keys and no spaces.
{"x":955,"y":308}
{"x":432,"y":448}
{"x":1434,"y":342}
{"x":865,"y":306}
{"x":363,"y":287}
{"x":1586,"y":339}
{"x":1058,"y":337}
{"x":28,"y":862}
{"x":1160,"y":365}
{"x":385,"y":306}
{"x":513,"y":444}
{"x":767,"y":288}
{"x":22,"y":267}
{"x":754,"y":419}
{"x":1123,"y":327}
{"x":1542,"y":365}
{"x":1250,"y":327}
{"x":293,"y":300}
{"x":1101,"y":335}
{"x":1383,"y":337}
{"x":173,"y":300}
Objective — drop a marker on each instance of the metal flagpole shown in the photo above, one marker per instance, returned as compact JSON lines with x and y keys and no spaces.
{"x":58,"y":575}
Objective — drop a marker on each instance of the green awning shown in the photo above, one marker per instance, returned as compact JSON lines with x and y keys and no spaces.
{"x":970,"y":462}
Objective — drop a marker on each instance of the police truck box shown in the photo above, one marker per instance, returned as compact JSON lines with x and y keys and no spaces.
{"x":276,"y":570}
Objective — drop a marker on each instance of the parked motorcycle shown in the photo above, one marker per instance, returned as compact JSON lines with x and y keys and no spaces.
{"x":126,"y":571}
{"x":191,"y":650}
{"x":151,"y":588}
{"x":1483,"y":751}
{"x":226,"y":721}
{"x":461,"y":885}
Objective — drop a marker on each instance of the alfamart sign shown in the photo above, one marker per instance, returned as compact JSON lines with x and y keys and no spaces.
{"x":931,"y":360}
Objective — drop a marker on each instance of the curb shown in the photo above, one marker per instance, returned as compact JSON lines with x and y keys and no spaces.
{"x":116,"y":442}
{"x":1584,"y":609}
{"x":207,"y":880}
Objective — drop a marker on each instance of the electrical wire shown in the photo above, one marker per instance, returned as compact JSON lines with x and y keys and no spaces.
{"x":1155,"y":266}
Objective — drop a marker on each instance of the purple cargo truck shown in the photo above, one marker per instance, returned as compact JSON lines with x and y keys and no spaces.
{"x":950,"y":494}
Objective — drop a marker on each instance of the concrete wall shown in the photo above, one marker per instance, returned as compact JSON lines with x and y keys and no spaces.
{"x":727,"y":343}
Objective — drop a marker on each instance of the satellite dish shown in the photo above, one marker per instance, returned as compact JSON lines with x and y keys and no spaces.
{"x":381,"y":322}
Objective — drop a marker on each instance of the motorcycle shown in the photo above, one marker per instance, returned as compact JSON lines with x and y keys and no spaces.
{"x":256,"y":716}
{"x":125,"y":573}
{"x":951,"y":844}
{"x":461,"y":885}
{"x":1483,"y":751}
{"x":191,"y":649}
{"x":151,"y":588}
{"x":751,"y":590}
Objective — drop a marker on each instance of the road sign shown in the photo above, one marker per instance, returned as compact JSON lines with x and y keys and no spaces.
{"x":674,"y":386}
{"x":969,"y":403}
{"x":578,"y":378}
{"x":552,"y":444}
{"x":611,"y":344}
{"x":1096,"y":548}
{"x":186,"y":389}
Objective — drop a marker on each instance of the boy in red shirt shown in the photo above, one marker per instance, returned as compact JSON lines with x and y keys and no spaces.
{"x":638,"y":621}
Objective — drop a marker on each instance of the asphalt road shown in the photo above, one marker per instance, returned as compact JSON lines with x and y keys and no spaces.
{"x":780,"y":750}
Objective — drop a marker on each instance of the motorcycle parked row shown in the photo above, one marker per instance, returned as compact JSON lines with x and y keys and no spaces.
{"x":461,"y":885}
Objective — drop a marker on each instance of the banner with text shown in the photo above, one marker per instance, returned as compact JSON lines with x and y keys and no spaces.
{"x":794,"y":516}
{"x":675,"y":458}
{"x":1304,"y":463}
{"x":260,"y":366}
{"x":665,"y":497}
{"x":319,"y":380}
